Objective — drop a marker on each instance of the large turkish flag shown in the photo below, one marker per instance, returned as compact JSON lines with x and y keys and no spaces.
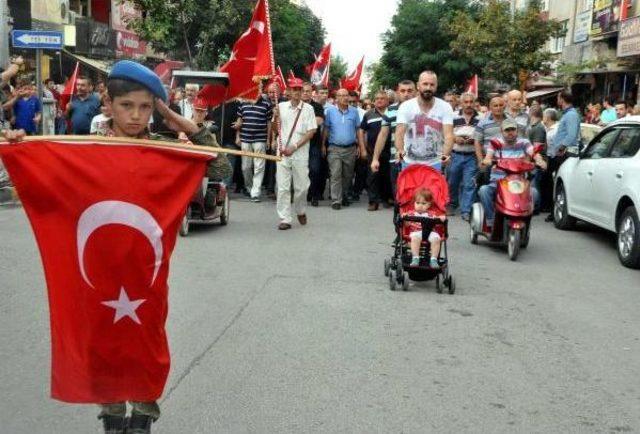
{"x":105,"y":218}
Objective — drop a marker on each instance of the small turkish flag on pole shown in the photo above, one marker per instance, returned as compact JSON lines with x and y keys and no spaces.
{"x":105,"y":218}
{"x":278,"y":79}
{"x":352,"y":82}
{"x":251,"y":60}
{"x":472,"y":86}
{"x":69,"y":88}
{"x":319,"y":70}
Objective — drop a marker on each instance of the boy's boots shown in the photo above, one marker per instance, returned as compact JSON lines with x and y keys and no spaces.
{"x":139,"y":424}
{"x":113,"y":424}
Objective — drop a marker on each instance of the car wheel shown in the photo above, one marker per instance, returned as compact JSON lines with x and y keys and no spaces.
{"x":629,"y":238}
{"x":561,"y":217}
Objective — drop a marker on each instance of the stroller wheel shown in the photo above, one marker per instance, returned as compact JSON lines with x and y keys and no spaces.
{"x":387,"y":266}
{"x":438,"y":285}
{"x":405,"y":281}
{"x":451,"y":284}
{"x":392,"y":280}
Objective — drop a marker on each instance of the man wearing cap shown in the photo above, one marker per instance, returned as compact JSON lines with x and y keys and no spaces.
{"x":296,"y":124}
{"x":512,"y":146}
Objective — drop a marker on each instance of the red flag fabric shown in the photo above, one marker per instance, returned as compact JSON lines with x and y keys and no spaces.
{"x":105,"y":218}
{"x":472,"y":86}
{"x":291,"y":75}
{"x":319,"y":70}
{"x":352,"y":81}
{"x":251,"y":59}
{"x":278,"y":78}
{"x":69,"y":88}
{"x":164,"y":69}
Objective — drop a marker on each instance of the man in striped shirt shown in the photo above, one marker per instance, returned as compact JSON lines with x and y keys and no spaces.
{"x":255,"y":127}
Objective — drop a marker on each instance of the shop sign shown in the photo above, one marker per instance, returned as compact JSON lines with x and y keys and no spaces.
{"x":129,"y":45}
{"x":95,"y":39}
{"x":629,"y":38}
{"x":582,"y":27}
{"x":605,"y":16}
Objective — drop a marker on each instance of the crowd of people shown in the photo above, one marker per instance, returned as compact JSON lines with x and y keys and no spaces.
{"x":339,"y":140}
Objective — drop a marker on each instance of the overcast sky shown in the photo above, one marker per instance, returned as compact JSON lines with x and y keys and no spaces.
{"x":354,"y":26}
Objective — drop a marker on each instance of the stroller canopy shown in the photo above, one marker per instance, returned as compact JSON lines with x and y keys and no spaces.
{"x":418,"y":176}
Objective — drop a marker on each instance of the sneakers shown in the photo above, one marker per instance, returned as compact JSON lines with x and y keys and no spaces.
{"x":415,"y":261}
{"x":433,"y":263}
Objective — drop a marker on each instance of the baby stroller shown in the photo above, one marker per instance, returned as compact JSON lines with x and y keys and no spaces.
{"x":398,"y":268}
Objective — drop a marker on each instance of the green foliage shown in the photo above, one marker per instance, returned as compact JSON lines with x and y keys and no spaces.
{"x":511,"y":44}
{"x":202,"y":32}
{"x":419,"y":39}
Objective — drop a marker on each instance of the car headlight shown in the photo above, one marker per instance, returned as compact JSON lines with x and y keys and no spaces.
{"x":516,"y":187}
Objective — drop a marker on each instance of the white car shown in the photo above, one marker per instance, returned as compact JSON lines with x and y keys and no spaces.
{"x":602,"y":186}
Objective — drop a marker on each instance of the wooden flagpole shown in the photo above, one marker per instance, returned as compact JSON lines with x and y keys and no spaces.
{"x":156,"y":143}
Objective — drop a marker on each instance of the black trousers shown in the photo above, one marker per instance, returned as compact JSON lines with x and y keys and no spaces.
{"x":379,"y":183}
{"x":360,"y":177}
{"x":546,"y":183}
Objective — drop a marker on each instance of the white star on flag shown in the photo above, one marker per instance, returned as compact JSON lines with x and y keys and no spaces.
{"x":124,"y":307}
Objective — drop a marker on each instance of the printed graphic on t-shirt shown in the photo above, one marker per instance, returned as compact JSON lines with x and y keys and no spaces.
{"x":425,"y":139}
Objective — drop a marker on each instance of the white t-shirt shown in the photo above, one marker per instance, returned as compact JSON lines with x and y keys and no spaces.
{"x":307,"y":122}
{"x":99,"y":124}
{"x":424,"y":138}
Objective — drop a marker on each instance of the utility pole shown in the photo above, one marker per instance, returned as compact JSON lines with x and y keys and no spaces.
{"x":4,"y":33}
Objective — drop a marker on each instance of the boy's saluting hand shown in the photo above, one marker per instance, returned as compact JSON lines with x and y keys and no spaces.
{"x":175,"y":121}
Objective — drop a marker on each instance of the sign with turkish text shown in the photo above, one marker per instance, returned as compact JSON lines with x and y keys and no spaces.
{"x":34,"y":39}
{"x":128,"y":44}
{"x":629,"y":38}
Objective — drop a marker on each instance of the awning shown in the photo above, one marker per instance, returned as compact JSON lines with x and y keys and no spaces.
{"x":543,"y":92}
{"x":99,"y":65}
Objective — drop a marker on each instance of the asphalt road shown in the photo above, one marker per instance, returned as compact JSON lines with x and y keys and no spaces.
{"x":297,"y":331}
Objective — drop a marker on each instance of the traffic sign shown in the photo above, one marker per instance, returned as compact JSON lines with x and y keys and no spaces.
{"x":37,"y":39}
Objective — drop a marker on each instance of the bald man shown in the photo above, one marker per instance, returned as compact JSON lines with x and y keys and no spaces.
{"x":515,"y":111}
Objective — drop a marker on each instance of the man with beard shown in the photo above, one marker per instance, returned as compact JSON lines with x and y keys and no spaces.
{"x":83,"y":107}
{"x":405,"y":90}
{"x":425,"y":126}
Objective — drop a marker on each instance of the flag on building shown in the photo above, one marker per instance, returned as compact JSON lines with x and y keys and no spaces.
{"x":251,"y":60}
{"x":105,"y":217}
{"x":352,"y":81}
{"x":319,"y":70}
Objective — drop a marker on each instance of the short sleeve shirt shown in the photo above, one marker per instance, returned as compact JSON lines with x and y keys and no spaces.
{"x":82,"y":112}
{"x":487,"y":129}
{"x":255,"y":120}
{"x":306,"y":122}
{"x":24,"y":111}
{"x":341,"y":125}
{"x":424,"y":137}
{"x":372,"y":122}
{"x":520,"y":149}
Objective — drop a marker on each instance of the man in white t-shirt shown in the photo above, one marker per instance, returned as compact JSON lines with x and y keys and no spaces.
{"x":296,"y":124}
{"x":424,"y":133}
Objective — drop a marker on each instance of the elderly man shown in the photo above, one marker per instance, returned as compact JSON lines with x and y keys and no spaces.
{"x":186,"y":104}
{"x":424,"y":134}
{"x":489,"y":127}
{"x":372,"y":122}
{"x":515,"y":111}
{"x":83,"y":107}
{"x":297,"y":124}
{"x":462,"y":172}
{"x":339,"y":144}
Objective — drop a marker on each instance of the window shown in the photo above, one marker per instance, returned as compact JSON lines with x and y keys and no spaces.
{"x":557,"y":44}
{"x":600,"y":145}
{"x":627,"y":144}
{"x":80,"y":7}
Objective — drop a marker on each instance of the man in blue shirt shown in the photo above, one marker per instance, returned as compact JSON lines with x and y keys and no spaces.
{"x":339,"y":144}
{"x":27,"y":110}
{"x":83,"y":107}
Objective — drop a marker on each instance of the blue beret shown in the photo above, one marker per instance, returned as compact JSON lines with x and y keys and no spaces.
{"x":133,"y":71}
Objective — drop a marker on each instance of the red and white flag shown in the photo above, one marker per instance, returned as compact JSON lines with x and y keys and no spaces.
{"x":251,"y":60}
{"x":352,"y":81}
{"x":472,"y":86}
{"x":291,"y":75}
{"x":279,"y":79}
{"x":105,"y":218}
{"x":69,"y":88}
{"x":319,"y":70}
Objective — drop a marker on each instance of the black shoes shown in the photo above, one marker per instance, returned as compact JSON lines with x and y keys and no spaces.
{"x":345,"y":202}
{"x":336,"y":206}
{"x":549,"y":218}
{"x":113,"y":424}
{"x":139,"y":424}
{"x":314,"y":202}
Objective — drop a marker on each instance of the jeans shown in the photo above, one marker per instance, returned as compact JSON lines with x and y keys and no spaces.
{"x":461,"y":177}
{"x":487,"y":195}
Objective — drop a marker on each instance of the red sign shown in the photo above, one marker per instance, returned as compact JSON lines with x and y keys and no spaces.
{"x":129,"y":45}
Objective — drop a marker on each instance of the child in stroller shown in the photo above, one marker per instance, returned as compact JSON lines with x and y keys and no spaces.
{"x":420,"y":247}
{"x":423,"y":207}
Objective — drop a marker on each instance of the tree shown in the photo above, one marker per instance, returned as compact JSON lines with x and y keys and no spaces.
{"x":512,"y":44}
{"x":419,"y":40}
{"x":338,"y":70}
{"x":202,"y":32}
